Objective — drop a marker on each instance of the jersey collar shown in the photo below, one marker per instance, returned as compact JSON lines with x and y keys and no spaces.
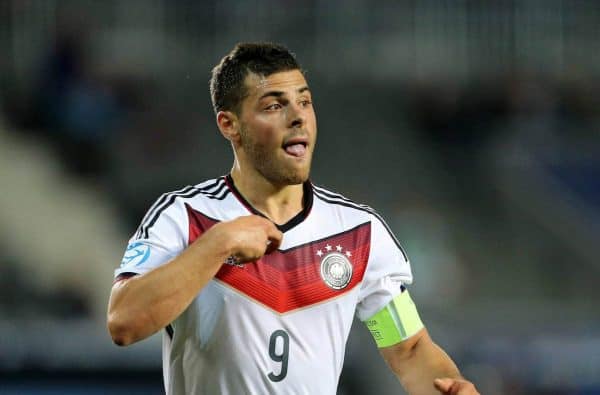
{"x":307,"y":202}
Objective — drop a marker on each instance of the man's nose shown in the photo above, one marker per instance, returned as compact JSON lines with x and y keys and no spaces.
{"x":296,"y":116}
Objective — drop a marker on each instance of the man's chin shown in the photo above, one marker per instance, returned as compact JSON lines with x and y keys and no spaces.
{"x":284,"y":175}
{"x":301,"y":177}
{"x":294,"y":179}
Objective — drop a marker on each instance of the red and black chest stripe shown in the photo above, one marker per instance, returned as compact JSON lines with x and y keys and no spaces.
{"x":287,"y":280}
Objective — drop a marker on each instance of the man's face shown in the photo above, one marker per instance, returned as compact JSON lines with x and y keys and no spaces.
{"x":278,"y":127}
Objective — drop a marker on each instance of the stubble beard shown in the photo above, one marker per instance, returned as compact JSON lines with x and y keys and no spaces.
{"x":266,"y":163}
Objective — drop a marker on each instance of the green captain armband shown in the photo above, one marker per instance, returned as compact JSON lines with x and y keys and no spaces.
{"x":396,"y":322}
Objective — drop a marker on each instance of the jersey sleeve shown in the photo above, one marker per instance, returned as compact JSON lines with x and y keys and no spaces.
{"x":161,"y":236}
{"x":388,"y":270}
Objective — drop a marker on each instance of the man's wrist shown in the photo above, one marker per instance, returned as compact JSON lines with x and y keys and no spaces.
{"x":217,"y":243}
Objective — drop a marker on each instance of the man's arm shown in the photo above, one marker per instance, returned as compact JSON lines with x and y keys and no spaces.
{"x":142,"y":305}
{"x":418,"y":363}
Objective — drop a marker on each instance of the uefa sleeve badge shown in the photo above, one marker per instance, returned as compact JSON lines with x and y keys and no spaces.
{"x":136,"y":254}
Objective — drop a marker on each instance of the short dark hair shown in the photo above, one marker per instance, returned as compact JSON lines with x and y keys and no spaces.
{"x":227,"y":89}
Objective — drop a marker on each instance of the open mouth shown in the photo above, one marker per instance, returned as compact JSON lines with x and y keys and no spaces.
{"x":295,"y":147}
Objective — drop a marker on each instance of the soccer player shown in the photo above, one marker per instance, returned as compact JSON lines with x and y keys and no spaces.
{"x":255,"y":276}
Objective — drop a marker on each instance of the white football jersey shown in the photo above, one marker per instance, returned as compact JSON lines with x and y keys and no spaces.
{"x":278,"y":325}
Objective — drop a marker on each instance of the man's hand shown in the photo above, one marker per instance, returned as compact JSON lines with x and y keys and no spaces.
{"x":449,"y":386}
{"x":250,"y":237}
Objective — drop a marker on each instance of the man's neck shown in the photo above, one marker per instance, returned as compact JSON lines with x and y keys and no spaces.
{"x":279,"y":203}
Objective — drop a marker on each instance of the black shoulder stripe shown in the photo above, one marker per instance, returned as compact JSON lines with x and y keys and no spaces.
{"x":392,"y":235}
{"x":223,"y":195}
{"x":168,"y":199}
{"x":145,"y":233}
{"x":159,"y":202}
{"x":169,"y":202}
{"x":213,"y":188}
{"x":165,"y":196}
{"x":333,"y":195}
{"x":169,"y":329}
{"x":156,"y":204}
{"x":348,"y":203}
{"x":216,"y":191}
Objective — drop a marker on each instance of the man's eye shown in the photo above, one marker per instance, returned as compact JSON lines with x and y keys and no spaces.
{"x":274,"y":106}
{"x":305,"y":103}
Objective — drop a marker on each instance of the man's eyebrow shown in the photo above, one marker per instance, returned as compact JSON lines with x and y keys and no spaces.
{"x":281,"y":93}
{"x":271,"y":93}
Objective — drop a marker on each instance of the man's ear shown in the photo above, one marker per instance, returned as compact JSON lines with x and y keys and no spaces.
{"x":228,"y":124}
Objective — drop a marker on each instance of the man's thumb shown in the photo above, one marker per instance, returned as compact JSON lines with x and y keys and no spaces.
{"x":443,"y":384}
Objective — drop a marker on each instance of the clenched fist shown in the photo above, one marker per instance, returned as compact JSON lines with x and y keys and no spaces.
{"x":250,"y":237}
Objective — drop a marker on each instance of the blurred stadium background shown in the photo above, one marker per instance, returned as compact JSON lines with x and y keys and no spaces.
{"x":472,"y":126}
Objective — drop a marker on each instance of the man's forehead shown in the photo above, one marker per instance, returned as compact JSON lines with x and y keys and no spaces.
{"x":284,"y":80}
